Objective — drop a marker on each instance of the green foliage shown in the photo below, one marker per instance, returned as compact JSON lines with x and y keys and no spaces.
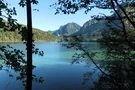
{"x":22,"y":3}
{"x":119,"y":60}
{"x":118,"y":68}
{"x":72,"y":6}
{"x":12,"y":58}
{"x":39,"y":35}
{"x":14,"y":36}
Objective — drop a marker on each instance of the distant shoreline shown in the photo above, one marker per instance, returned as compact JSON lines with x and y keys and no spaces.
{"x":38,"y":41}
{"x":22,"y":41}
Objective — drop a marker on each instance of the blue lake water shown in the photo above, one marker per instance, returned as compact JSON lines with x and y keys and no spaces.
{"x":55,"y":67}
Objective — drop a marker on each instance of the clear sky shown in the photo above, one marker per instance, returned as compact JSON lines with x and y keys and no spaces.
{"x":45,"y":19}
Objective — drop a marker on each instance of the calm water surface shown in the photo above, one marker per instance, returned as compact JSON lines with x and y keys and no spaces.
{"x":55,"y":67}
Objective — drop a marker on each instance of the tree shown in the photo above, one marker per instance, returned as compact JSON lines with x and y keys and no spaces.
{"x":29,"y":46}
{"x":118,"y":41}
{"x":15,"y":58}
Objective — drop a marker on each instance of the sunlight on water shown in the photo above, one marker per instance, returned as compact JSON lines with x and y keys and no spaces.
{"x":58,"y":58}
{"x":55,"y":67}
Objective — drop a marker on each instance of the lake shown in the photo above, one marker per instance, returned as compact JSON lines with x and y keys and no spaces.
{"x":55,"y":67}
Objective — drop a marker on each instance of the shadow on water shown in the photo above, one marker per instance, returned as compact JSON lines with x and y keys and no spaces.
{"x":56,"y":69}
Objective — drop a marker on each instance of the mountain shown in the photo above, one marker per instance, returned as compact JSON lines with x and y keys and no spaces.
{"x":38,"y":35}
{"x":67,"y":30}
{"x":92,"y":26}
{"x":91,"y":30}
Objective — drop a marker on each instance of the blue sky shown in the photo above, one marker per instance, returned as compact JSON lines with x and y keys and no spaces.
{"x":45,"y":19}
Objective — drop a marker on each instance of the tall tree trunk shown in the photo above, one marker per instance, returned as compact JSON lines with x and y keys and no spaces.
{"x":29,"y":46}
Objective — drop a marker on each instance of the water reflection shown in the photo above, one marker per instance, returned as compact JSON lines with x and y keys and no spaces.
{"x":55,"y":66}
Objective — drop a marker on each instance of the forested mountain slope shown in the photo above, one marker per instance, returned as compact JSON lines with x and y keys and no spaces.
{"x":38,"y":35}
